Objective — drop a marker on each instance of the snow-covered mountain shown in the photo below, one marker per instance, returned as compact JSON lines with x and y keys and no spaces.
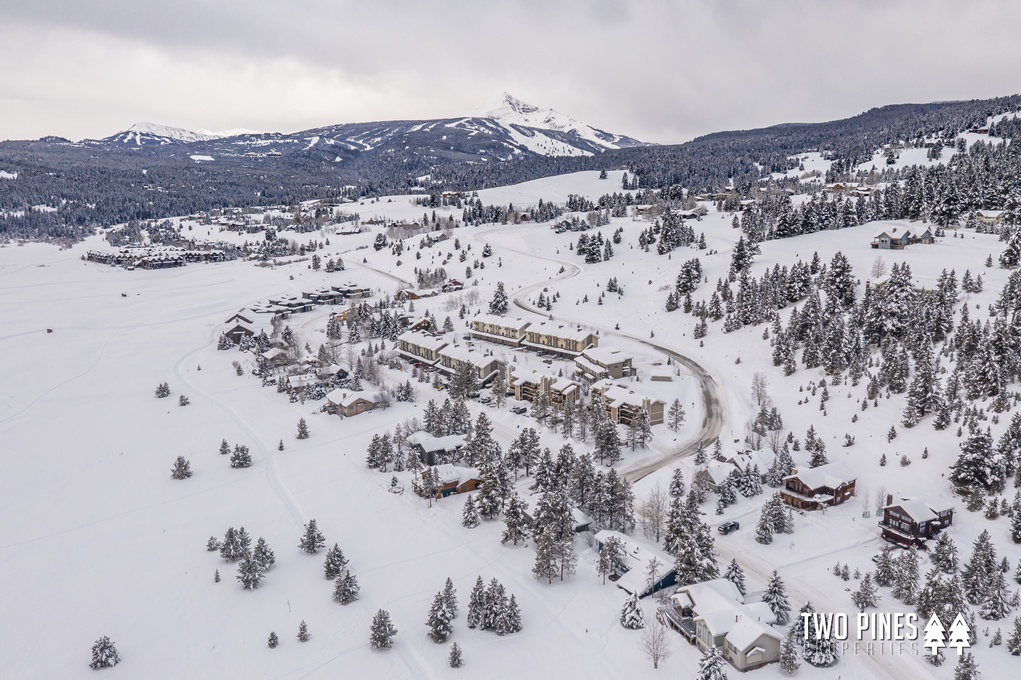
{"x":510,"y":111}
{"x":503,"y":129}
{"x":143,"y":134}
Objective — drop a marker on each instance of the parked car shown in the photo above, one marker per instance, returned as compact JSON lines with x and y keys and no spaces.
{"x":728,"y":527}
{"x":485,"y":400}
{"x":520,"y":410}
{"x":547,"y":361}
{"x":473,"y":395}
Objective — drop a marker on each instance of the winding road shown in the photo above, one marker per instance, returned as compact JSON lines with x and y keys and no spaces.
{"x":715,"y":410}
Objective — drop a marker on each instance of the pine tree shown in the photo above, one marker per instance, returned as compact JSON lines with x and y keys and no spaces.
{"x":216,"y":576}
{"x":162,"y":390}
{"x":346,"y":589}
{"x":181,"y":469}
{"x":997,"y":600}
{"x":865,"y":596}
{"x":241,"y":458}
{"x":450,"y":597}
{"x":631,"y":616}
{"x":455,"y":659}
{"x":470,"y":515}
{"x":675,"y":416}
{"x":944,"y":554}
{"x":516,"y":520}
{"x":764,"y":529}
{"x":312,"y":540}
{"x":546,"y":562}
{"x":789,"y":653}
{"x":885,"y":572}
{"x":224,"y":448}
{"x":303,"y":634}
{"x":302,"y":429}
{"x":776,"y":597}
{"x":712,"y":665}
{"x":382,"y":631}
{"x":1014,"y":641}
{"x":611,"y":557}
{"x":498,"y":305}
{"x":512,"y":619}
{"x":905,"y":584}
{"x":263,"y":555}
{"x":967,"y":668}
{"x":677,"y":488}
{"x":104,"y":654}
{"x":476,"y":603}
{"x":273,"y":641}
{"x":977,"y":466}
{"x":250,"y":574}
{"x":335,"y":562}
{"x":439,"y":620}
{"x":735,"y":575}
{"x":978,"y":572}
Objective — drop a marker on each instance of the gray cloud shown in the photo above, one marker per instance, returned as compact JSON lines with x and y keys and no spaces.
{"x":660,"y":70}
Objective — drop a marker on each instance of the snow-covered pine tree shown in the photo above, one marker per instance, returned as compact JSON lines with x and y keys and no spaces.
{"x":977,"y":466}
{"x":224,"y":448}
{"x":263,"y":555}
{"x":735,"y":574}
{"x":346,"y":589}
{"x":511,"y":622}
{"x":712,"y":665}
{"x":866,"y":595}
{"x":498,"y":305}
{"x":470,"y":514}
{"x":181,"y":469}
{"x":249,"y":574}
{"x":104,"y":654}
{"x":967,"y":668}
{"x":516,"y":520}
{"x":1014,"y":641}
{"x":335,"y":562}
{"x":677,"y":488}
{"x":944,"y":554}
{"x":764,"y":529}
{"x":303,"y":634}
{"x":456,"y":658}
{"x":241,"y":458}
{"x":789,"y":653}
{"x":450,"y":596}
{"x":631,"y":616}
{"x":302,"y":429}
{"x":905,"y":584}
{"x":439,"y":619}
{"x":313,"y":539}
{"x":977,"y":573}
{"x":476,"y":603}
{"x":273,"y":641}
{"x":776,"y":597}
{"x":886,"y":572}
{"x":997,"y":601}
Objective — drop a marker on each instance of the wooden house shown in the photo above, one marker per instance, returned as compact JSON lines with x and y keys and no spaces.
{"x":453,"y":480}
{"x":435,"y":450}
{"x":564,"y":340}
{"x":885,"y":241}
{"x":347,"y":403}
{"x":911,"y":522}
{"x":419,"y":347}
{"x":814,"y":488}
{"x":624,"y":404}
{"x":529,"y":385}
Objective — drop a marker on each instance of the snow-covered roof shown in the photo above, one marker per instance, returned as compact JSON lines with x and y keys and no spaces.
{"x":747,"y":630}
{"x":717,"y":470}
{"x":830,"y":475}
{"x":606,"y":355}
{"x":586,"y":365}
{"x":921,"y":509}
{"x":461,"y":353}
{"x":568,"y":332}
{"x":617,"y":395}
{"x":272,"y":353}
{"x":518,"y":324}
{"x":763,"y":458}
{"x":346,"y":398}
{"x":453,"y":473}
{"x":428,"y":442}
{"x":423,"y":340}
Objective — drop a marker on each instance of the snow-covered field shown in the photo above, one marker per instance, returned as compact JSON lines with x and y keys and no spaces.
{"x":99,"y":540}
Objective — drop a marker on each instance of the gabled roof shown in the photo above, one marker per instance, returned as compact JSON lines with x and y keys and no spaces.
{"x":517,"y":324}
{"x":428,"y":442}
{"x":920,"y":509}
{"x":636,"y":558}
{"x":605,"y":355}
{"x":831,"y":475}
{"x":345,"y":398}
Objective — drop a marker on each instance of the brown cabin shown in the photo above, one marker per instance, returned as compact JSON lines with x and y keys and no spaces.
{"x":814,"y":488}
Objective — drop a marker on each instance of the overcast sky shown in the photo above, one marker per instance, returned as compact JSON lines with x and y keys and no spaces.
{"x":659,"y":70}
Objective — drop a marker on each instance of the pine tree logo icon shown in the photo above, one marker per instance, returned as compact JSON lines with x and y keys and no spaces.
{"x":934,"y":635}
{"x":960,"y":635}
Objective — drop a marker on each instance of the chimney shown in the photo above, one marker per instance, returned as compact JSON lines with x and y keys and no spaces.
{"x":889,"y":499}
